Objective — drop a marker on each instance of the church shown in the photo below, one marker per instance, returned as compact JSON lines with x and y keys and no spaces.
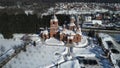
{"x":70,"y":33}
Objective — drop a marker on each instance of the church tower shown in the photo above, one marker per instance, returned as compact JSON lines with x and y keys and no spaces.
{"x":53,"y":26}
{"x":72,"y":23}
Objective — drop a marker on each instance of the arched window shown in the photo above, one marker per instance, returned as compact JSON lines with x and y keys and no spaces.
{"x":77,"y":38}
{"x":53,"y":23}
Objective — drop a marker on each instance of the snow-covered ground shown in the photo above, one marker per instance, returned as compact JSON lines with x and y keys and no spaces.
{"x":40,"y":56}
{"x":106,"y":37}
{"x":46,"y":56}
{"x":113,"y":47}
{"x":70,"y":64}
{"x":6,"y":44}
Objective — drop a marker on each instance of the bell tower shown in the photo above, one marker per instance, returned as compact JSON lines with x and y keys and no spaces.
{"x":53,"y":26}
{"x":72,"y":23}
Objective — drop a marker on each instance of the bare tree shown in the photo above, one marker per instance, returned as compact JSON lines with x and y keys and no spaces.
{"x":2,"y":49}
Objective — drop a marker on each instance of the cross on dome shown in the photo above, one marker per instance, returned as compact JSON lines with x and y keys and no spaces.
{"x":54,"y":18}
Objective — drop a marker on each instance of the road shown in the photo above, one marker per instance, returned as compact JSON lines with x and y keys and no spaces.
{"x":101,"y":30}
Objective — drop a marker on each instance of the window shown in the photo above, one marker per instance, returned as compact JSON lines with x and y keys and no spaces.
{"x":53,"y":23}
{"x":77,"y":38}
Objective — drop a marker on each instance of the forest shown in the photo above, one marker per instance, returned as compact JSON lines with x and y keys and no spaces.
{"x":22,"y":23}
{"x":28,"y":2}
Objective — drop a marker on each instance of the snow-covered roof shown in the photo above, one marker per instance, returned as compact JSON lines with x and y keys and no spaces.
{"x":88,"y":18}
{"x":45,"y":32}
{"x":97,"y":21}
{"x":69,"y":32}
{"x":78,"y":31}
{"x":72,"y":24}
{"x":53,"y":41}
{"x":63,"y":31}
{"x":70,"y":37}
{"x":85,"y":52}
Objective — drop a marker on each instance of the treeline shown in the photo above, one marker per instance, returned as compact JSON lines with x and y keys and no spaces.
{"x":22,"y":23}
{"x":26,"y":2}
{"x":87,"y":1}
{"x":18,"y":23}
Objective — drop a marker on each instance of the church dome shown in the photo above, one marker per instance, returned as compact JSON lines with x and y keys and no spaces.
{"x":72,"y":17}
{"x":54,"y":18}
{"x":72,"y":24}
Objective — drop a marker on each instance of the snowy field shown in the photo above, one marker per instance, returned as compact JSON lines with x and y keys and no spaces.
{"x":6,"y":44}
{"x":46,"y":56}
{"x":39,"y":56}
